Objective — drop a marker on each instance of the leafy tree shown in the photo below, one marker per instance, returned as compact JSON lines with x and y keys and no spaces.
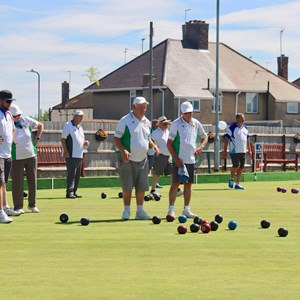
{"x":93,"y":75}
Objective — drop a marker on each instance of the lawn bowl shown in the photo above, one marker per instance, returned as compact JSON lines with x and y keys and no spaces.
{"x":283,"y":190}
{"x":205,"y":227}
{"x":197,"y":220}
{"x":219,"y":218}
{"x":156,"y":220}
{"x":181,"y":229}
{"x":103,"y":195}
{"x":170,"y":218}
{"x":64,"y":218}
{"x":232,"y":225}
{"x":214,"y":225}
{"x":84,"y":221}
{"x":283,"y":232}
{"x":182,"y":219}
{"x":294,"y":191}
{"x":194,"y":227}
{"x":265,"y":224}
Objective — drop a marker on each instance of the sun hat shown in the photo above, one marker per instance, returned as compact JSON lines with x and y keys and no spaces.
{"x":164,"y":120}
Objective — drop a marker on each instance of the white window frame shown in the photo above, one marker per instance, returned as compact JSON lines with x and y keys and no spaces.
{"x":292,"y":108}
{"x":193,"y":101}
{"x":220,"y":103}
{"x":250,"y":98}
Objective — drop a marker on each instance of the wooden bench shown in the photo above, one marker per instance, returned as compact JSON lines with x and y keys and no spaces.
{"x":49,"y":155}
{"x":276,"y":153}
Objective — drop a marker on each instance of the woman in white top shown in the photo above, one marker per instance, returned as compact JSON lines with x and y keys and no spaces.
{"x":24,"y":157}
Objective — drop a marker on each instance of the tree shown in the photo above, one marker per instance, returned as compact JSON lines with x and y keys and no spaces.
{"x":44,"y":116}
{"x":93,"y":75}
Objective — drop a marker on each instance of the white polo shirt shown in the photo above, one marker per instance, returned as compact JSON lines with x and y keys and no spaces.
{"x":6,"y":132}
{"x":23,"y":146}
{"x":185,"y":137}
{"x":160,"y":138}
{"x":134,"y":135}
{"x":74,"y":137}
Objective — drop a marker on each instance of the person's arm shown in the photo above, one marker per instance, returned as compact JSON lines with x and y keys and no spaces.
{"x":40,"y":129}
{"x":64,"y":146}
{"x":249,"y":148}
{"x":202,"y":145}
{"x":124,"y":153}
{"x":225,"y":148}
{"x":172,"y":151}
{"x":153,"y":146}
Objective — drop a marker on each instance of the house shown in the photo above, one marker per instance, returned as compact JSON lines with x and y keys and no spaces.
{"x":185,"y":70}
{"x":63,"y":111}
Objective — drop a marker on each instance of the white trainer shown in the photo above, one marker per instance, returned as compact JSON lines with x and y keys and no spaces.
{"x":188,"y":213}
{"x":142,"y":215}
{"x":33,"y":209}
{"x":11,"y":212}
{"x":4,"y":218}
{"x":126,"y":215}
{"x":20,"y":211}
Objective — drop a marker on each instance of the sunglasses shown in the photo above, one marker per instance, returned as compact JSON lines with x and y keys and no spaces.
{"x":8,"y":101}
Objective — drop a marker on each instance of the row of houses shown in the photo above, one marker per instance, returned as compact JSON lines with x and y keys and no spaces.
{"x":185,"y":70}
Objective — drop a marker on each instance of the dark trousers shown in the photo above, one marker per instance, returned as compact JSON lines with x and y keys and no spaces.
{"x":17,"y":177}
{"x":73,"y":174}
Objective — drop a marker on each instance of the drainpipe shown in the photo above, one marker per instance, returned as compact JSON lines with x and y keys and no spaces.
{"x":236,"y":102}
{"x":162,"y":101}
{"x":178,"y":109}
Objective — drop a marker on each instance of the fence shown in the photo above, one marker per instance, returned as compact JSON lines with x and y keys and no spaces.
{"x":101,"y":158}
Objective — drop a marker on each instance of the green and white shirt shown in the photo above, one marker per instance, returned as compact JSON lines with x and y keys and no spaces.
{"x":74,"y":137}
{"x":134,"y":135}
{"x":23,"y":146}
{"x":185,"y":137}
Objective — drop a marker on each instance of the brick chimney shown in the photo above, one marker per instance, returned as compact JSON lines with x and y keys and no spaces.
{"x":65,"y":89}
{"x":195,"y":35}
{"x":282,"y":63}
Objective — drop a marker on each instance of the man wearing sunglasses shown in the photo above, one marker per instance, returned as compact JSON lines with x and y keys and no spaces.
{"x":6,"y":137}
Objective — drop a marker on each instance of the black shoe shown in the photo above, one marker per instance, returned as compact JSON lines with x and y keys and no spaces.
{"x":25,"y":194}
{"x":72,"y":196}
{"x":77,"y":196}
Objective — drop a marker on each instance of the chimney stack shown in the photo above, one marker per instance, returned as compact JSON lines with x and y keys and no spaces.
{"x":282,"y":63}
{"x":65,"y":89}
{"x":195,"y":35}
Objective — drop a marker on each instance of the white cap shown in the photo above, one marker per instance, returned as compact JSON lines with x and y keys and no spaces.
{"x":186,"y":107}
{"x":140,"y":100}
{"x":78,"y":112}
{"x":15,"y":110}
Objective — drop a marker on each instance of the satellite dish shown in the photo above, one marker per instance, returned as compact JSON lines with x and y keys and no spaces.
{"x":222,"y":125}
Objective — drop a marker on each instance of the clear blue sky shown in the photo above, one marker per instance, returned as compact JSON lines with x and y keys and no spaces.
{"x":62,"y":39}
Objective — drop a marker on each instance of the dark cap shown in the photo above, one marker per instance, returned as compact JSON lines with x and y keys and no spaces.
{"x":6,"y":95}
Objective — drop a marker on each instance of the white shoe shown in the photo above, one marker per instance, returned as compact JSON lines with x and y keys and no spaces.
{"x":33,"y":209}
{"x":126,"y":215}
{"x":20,"y":211}
{"x":11,"y":212}
{"x":4,"y":218}
{"x":142,"y":215}
{"x":188,"y":213}
{"x":179,"y":193}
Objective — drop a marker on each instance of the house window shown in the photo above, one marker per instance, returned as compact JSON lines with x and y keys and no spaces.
{"x":214,"y":105}
{"x":292,"y":107}
{"x":196,"y":105}
{"x":251,"y":103}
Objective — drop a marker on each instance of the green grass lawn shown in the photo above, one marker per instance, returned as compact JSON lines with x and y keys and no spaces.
{"x":111,"y":259}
